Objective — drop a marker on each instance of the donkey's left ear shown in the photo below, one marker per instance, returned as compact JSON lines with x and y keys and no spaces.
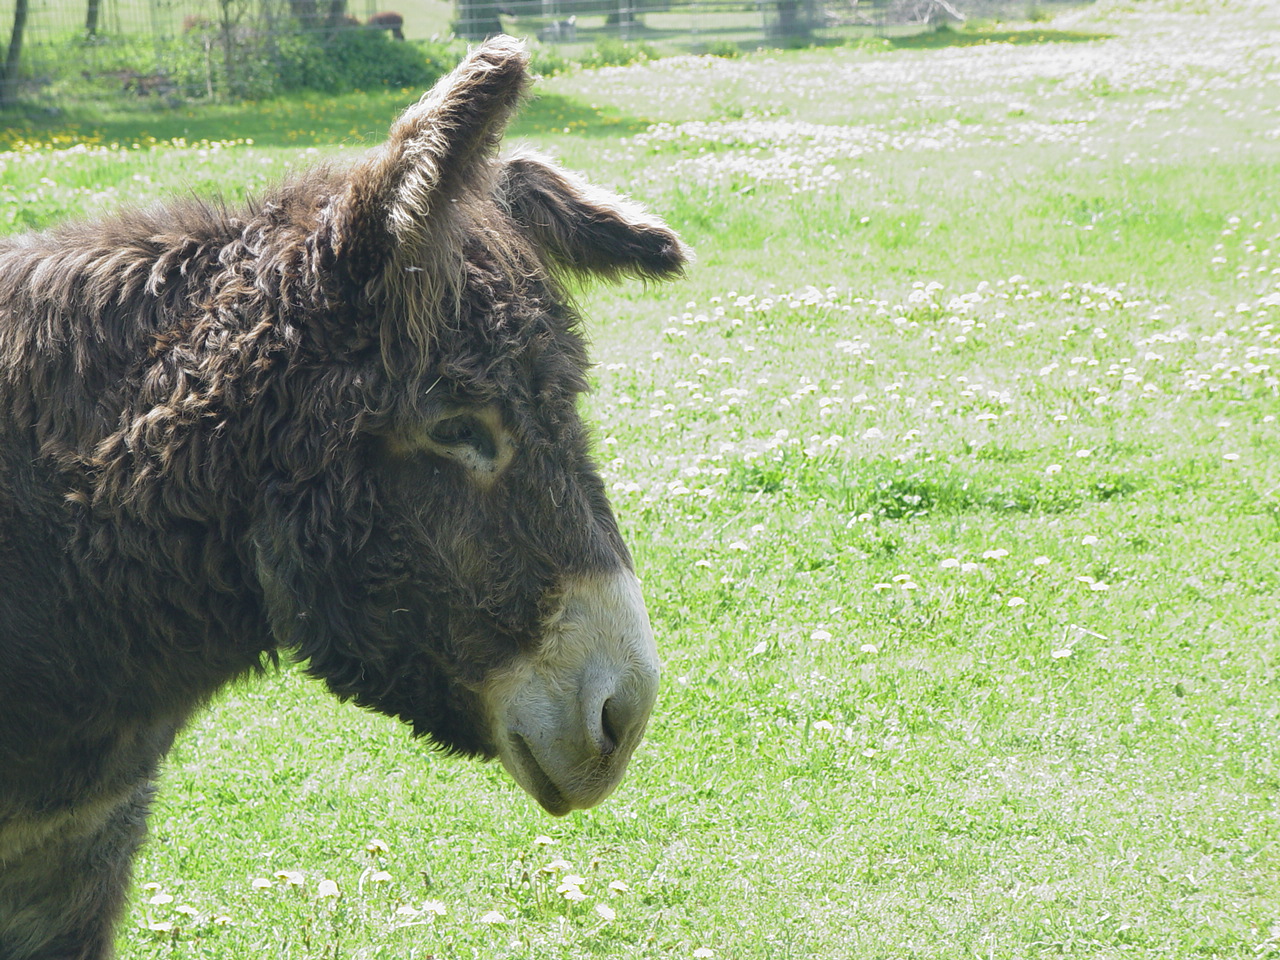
{"x":582,"y":228}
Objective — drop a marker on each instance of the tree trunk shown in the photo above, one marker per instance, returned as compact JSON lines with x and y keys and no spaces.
{"x":306,"y":12}
{"x":91,"y":18}
{"x":9,"y":79}
{"x":228,"y":50}
{"x":477,"y":19}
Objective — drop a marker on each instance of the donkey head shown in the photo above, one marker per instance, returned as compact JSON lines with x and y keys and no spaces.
{"x":433,"y":537}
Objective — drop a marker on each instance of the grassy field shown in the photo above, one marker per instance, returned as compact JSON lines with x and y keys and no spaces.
{"x":953,"y":475}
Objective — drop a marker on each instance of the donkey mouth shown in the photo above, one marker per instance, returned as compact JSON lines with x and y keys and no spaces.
{"x":536,"y":781}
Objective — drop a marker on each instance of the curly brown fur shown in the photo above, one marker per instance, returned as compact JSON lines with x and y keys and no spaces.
{"x":215,"y":446}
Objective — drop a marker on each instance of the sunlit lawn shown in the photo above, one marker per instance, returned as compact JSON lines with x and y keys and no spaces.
{"x":953,"y":474}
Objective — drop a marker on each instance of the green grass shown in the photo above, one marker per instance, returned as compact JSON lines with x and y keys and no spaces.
{"x":953,"y":475}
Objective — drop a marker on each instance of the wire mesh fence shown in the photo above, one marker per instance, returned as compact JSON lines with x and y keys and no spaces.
{"x":182,"y":49}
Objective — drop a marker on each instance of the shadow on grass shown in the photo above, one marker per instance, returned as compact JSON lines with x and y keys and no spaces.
{"x":946,"y":37}
{"x":357,"y":119}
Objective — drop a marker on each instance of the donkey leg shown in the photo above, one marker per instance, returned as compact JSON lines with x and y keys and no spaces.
{"x":61,"y":900}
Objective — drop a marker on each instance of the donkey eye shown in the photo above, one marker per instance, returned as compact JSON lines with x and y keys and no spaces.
{"x":464,"y":431}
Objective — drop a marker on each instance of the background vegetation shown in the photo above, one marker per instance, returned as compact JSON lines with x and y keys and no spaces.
{"x":953,"y":474}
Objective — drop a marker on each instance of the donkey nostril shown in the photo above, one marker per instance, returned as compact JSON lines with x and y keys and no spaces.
{"x":609,"y":727}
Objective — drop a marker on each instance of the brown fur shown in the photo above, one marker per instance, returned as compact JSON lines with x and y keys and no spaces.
{"x":215,"y":445}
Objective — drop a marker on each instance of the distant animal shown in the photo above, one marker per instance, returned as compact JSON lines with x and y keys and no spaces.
{"x":390,"y":21}
{"x":340,"y":424}
{"x":559,"y":30}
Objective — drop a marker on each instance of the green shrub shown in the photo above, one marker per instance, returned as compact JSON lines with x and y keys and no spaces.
{"x":547,"y":61}
{"x":723,"y":48}
{"x":618,"y":53}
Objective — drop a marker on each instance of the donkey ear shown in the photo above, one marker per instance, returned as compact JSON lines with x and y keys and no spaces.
{"x":395,"y":206}
{"x":583,"y":228}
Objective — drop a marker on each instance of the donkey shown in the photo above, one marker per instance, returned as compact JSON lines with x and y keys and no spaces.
{"x":339,"y":424}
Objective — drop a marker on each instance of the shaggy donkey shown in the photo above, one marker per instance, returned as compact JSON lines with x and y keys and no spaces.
{"x":342,"y":424}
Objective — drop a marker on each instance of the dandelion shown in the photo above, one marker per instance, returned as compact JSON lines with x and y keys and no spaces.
{"x":160,"y":899}
{"x":949,"y":563}
{"x":824,"y":726}
{"x":619,"y":886}
{"x":1084,"y":453}
{"x":327,"y":889}
{"x":570,"y":882}
{"x":160,"y":926}
{"x":377,"y":847}
{"x":221,"y":920}
{"x":1099,"y":586}
{"x":260,"y":883}
{"x":381,"y":876}
{"x":1041,"y":561}
{"x":542,"y":840}
{"x":869,"y":648}
{"x":574,"y":895}
{"x":292,"y":877}
{"x":994,"y":554}
{"x":605,"y":912}
{"x":1016,"y":602}
{"x":820,"y":635}
{"x":434,"y":907}
{"x":555,"y":866}
{"x":493,"y":918}
{"x":1231,"y":457}
{"x":702,"y":953}
{"x":1089,"y":541}
{"x":738,"y":545}
{"x":1053,"y":468}
{"x":1061,"y":653}
{"x":882,"y":586}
